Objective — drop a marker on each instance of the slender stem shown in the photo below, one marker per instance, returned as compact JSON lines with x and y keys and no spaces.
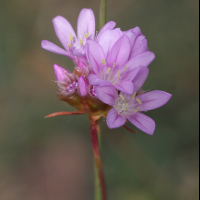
{"x":102,"y":13}
{"x":98,"y":162}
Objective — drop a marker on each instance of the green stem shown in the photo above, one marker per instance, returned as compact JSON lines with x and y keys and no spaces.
{"x":102,"y":13}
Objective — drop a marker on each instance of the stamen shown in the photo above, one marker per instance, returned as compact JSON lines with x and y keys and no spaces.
{"x":69,"y":45}
{"x":140,"y":102}
{"x":134,"y":94}
{"x":118,"y":75}
{"x":108,"y":70}
{"x":71,"y":37}
{"x":81,"y":42}
{"x":122,"y":96}
{"x":125,"y":68}
{"x":136,"y":110}
{"x":125,"y":107}
{"x":86,"y":35}
{"x":103,"y":61}
{"x":114,"y":64}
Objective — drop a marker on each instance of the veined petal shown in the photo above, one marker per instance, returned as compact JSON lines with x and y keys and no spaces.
{"x":109,"y":25}
{"x":86,"y":24}
{"x":140,"y":46}
{"x":139,"y":80}
{"x":107,"y":94}
{"x":95,"y":80}
{"x":130,"y":74}
{"x":133,"y":34}
{"x":119,"y":52}
{"x":60,"y":73}
{"x":49,"y":46}
{"x":63,"y":30}
{"x":143,"y":59}
{"x":108,"y":38}
{"x":143,"y":122}
{"x":154,"y":99}
{"x":114,"y":120}
{"x":125,"y":86}
{"x":95,"y":55}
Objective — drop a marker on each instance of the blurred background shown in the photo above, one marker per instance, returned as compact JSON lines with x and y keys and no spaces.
{"x":51,"y":159}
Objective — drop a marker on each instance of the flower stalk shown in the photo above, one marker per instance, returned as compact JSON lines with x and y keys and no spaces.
{"x":99,"y":176}
{"x":102,"y":13}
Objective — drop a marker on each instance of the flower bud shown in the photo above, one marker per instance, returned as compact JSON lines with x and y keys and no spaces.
{"x":82,"y":86}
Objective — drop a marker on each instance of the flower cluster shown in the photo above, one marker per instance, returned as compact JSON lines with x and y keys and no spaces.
{"x":110,"y":69}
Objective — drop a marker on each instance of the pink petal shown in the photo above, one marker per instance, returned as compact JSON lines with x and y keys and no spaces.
{"x":154,"y":99}
{"x":60,"y":73}
{"x":125,"y":86}
{"x":143,"y":59}
{"x":130,"y":74}
{"x":107,"y":94}
{"x":114,"y":120}
{"x":95,"y":80}
{"x":82,"y":86}
{"x":63,"y":30}
{"x":49,"y":46}
{"x":133,"y":34}
{"x":119,"y":52}
{"x":94,"y":54}
{"x":108,"y":39}
{"x":109,"y":25}
{"x":143,"y":122}
{"x":140,"y":46}
{"x":86,"y":23}
{"x":140,"y":78}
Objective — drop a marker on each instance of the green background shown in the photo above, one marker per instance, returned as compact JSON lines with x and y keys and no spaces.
{"x":51,"y":159}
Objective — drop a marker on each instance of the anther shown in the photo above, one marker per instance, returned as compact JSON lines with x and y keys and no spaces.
{"x":122,"y":97}
{"x":118,"y":75}
{"x":69,"y":45}
{"x":125,"y":68}
{"x":125,"y":107}
{"x":108,"y":70}
{"x":140,"y":102}
{"x":134,"y":94}
{"x":81,"y":42}
{"x":86,"y":35}
{"x":114,"y":64}
{"x":71,"y":37}
{"x":136,"y":110}
{"x":103,"y":61}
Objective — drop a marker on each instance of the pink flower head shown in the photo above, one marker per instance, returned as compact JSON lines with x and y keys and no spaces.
{"x":128,"y":106}
{"x":111,"y":64}
{"x":74,"y":45}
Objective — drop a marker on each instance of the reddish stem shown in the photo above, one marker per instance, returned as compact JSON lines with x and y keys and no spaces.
{"x":129,"y":129}
{"x":65,"y":113}
{"x":97,"y":156}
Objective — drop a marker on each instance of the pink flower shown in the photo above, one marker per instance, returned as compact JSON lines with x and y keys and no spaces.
{"x":128,"y":106}
{"x":74,"y":45}
{"x":110,"y":61}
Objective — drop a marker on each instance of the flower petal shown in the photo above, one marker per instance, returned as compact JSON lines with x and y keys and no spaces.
{"x":133,"y":34}
{"x":119,"y":52}
{"x":86,"y":24}
{"x":109,"y":25}
{"x":130,"y":74}
{"x":143,"y":59}
{"x":125,"y":86}
{"x":49,"y":46}
{"x":114,"y":120}
{"x":107,"y":94}
{"x":63,"y":30}
{"x":108,"y":39}
{"x":143,"y":122}
{"x":139,"y":80}
{"x":94,"y":54}
{"x":154,"y":99}
{"x":95,"y":80}
{"x":140,"y":46}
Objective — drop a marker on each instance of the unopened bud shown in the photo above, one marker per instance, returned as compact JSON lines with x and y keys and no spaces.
{"x":82,"y":86}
